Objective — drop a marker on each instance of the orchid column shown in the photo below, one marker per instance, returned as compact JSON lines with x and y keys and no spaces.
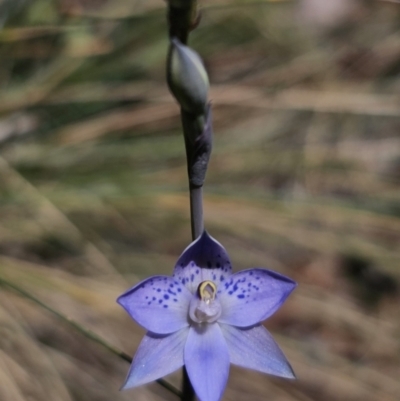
{"x":188,"y":81}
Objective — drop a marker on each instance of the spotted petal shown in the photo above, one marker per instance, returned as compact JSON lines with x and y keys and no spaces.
{"x":160,"y":304}
{"x":157,"y":356}
{"x":206,"y":358}
{"x":255,"y":348}
{"x":204,"y":259}
{"x":251,"y":296}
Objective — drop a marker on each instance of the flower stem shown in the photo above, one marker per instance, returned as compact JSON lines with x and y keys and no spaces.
{"x":187,"y":388}
{"x":197,"y":225}
{"x":83,"y":330}
{"x":182,"y":17}
{"x":196,"y":211}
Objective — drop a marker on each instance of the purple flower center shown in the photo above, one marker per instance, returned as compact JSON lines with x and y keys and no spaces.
{"x":204,"y":308}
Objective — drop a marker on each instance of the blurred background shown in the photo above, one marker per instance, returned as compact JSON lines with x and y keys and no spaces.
{"x":304,"y":179}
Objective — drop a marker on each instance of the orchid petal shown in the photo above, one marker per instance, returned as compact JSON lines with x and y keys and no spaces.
{"x":160,"y":304}
{"x":254,"y":348}
{"x":204,"y":259}
{"x":206,"y":358}
{"x":157,"y":356}
{"x":251,"y":296}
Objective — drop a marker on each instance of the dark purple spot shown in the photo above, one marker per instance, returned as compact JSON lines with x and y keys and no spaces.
{"x":175,"y":300}
{"x":159,"y":290}
{"x":192,"y":278}
{"x":241,"y":296}
{"x":154,"y":298}
{"x":160,"y":301}
{"x":222,"y":278}
{"x":197,"y":271}
{"x":179,"y":290}
{"x":165,"y":306}
{"x":166,"y":296}
{"x":171,"y":292}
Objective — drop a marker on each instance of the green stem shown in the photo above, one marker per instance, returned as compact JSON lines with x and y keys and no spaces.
{"x":196,"y":211}
{"x":86,"y":332}
{"x":192,"y":127}
{"x":182,"y":16}
{"x":197,"y":225}
{"x":188,"y":393}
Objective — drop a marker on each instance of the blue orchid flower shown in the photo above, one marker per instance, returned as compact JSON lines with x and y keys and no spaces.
{"x":205,"y":317}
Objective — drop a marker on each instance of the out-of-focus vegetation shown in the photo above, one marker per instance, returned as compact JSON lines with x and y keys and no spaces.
{"x":304,"y":179}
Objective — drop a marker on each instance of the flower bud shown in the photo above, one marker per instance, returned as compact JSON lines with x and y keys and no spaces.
{"x":187,"y":78}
